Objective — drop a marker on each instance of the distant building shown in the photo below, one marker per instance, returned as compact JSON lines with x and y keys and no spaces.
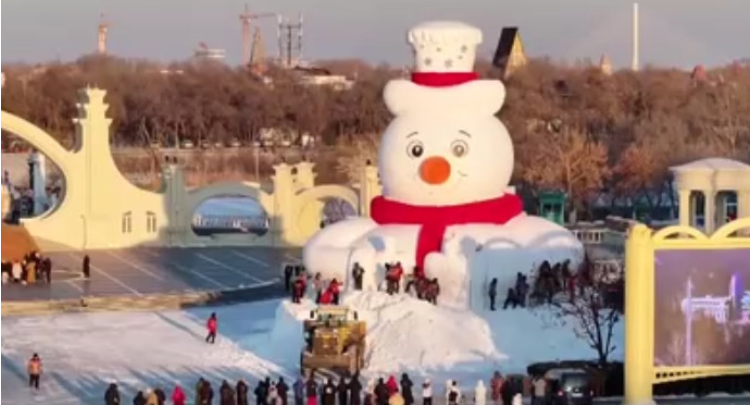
{"x":510,"y":54}
{"x":311,"y":76}
{"x":203,"y":52}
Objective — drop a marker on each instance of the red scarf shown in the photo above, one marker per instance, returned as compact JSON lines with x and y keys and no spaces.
{"x":435,"y":220}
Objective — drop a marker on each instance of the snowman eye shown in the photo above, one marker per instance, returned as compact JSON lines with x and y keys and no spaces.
{"x":459,"y":148}
{"x":415,"y":149}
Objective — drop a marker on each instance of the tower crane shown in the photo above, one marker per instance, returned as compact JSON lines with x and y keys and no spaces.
{"x":247,"y":38}
{"x":102,"y":35}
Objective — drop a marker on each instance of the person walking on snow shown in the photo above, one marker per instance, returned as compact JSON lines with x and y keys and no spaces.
{"x":406,"y":389}
{"x":178,"y":396}
{"x":35,"y":371}
{"x":335,"y":290}
{"x":112,"y":395}
{"x":492,"y":293}
{"x":480,"y":393}
{"x":212,"y":325}
{"x":427,"y":392}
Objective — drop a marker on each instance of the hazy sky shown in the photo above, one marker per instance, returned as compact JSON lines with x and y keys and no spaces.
{"x":674,"y":32}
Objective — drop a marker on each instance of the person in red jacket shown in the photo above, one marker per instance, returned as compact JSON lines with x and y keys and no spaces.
{"x":335,"y":289}
{"x":392,"y":386}
{"x":298,"y":289}
{"x":212,"y":325}
{"x":326,"y":298}
{"x":178,"y":396}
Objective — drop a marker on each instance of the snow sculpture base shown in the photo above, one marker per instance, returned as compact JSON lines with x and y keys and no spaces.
{"x":472,"y":255}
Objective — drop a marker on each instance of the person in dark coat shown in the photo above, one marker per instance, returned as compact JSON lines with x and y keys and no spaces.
{"x":343,"y":391}
{"x":382,"y":395}
{"x":87,"y":268}
{"x":139,"y":399}
{"x":161,"y":397}
{"x":328,"y":393}
{"x":112,"y":395}
{"x":355,"y":390}
{"x":358,"y":274}
{"x":199,"y":391}
{"x":492,"y":293}
{"x":406,"y":389}
{"x":261,"y":393}
{"x":283,"y":390}
{"x":299,"y":391}
{"x":288,"y":271}
{"x":242,"y":390}
{"x":207,"y":393}
{"x":226,"y":394}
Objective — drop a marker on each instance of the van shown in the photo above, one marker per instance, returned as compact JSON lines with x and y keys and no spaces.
{"x":570,"y":387}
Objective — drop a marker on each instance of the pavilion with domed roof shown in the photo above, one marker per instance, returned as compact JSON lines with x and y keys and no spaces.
{"x":723,"y":187}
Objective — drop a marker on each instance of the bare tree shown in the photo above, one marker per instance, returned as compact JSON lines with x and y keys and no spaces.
{"x":593,"y":320}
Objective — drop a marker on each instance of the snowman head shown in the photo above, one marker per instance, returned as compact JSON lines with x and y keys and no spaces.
{"x":445,"y":146}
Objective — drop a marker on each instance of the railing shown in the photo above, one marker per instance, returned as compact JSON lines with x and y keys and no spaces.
{"x":230,"y":222}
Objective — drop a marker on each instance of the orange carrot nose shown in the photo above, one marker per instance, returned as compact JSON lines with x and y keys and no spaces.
{"x":435,"y":170}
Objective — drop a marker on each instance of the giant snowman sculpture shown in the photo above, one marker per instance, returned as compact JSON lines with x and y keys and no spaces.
{"x":445,"y":163}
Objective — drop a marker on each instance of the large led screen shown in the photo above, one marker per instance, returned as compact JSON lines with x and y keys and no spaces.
{"x":702,"y":307}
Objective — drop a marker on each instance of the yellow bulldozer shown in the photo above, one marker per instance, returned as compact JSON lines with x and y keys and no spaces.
{"x":334,"y":341}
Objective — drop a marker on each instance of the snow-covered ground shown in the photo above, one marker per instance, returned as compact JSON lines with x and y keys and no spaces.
{"x":82,"y":352}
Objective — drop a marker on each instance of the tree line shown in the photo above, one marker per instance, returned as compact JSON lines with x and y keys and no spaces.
{"x":576,"y":129}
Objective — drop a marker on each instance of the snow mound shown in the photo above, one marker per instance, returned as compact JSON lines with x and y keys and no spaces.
{"x":403,"y":333}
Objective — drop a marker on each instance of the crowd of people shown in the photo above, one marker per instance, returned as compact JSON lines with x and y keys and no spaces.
{"x":33,"y":268}
{"x":299,"y":283}
{"x":338,"y":391}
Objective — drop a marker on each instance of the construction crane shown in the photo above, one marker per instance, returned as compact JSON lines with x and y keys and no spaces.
{"x":102,"y":35}
{"x":288,"y":46}
{"x":247,"y":40}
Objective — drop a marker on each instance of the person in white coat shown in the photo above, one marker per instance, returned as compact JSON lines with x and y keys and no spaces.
{"x":518,"y":399}
{"x":480,"y":393}
{"x":427,"y":392}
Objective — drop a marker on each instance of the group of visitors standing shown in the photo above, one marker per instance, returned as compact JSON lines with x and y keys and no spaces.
{"x":32,"y":269}
{"x":299,"y":283}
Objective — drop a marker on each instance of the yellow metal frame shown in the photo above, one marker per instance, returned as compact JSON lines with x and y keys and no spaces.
{"x":640,"y":372}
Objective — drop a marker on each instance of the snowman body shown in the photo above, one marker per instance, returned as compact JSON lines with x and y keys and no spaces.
{"x":445,"y":163}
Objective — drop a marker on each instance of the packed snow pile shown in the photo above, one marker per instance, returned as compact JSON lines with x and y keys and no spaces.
{"x":407,"y":334}
{"x":403,"y":333}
